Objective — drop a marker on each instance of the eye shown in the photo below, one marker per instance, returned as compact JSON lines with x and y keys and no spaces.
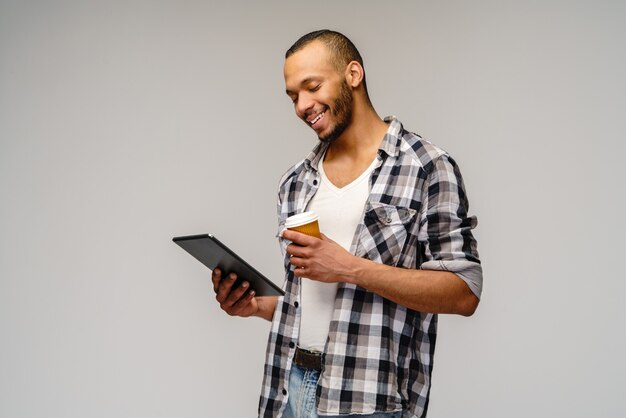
{"x":316,"y":88}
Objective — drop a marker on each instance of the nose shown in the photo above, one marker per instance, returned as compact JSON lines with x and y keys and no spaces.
{"x":304,"y":105}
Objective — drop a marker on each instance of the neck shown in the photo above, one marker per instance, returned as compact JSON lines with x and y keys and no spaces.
{"x":362,"y":138}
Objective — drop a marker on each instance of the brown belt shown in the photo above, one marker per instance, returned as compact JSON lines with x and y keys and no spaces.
{"x":308,"y":359}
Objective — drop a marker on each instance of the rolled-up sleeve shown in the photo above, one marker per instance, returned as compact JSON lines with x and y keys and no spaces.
{"x":446,"y":228}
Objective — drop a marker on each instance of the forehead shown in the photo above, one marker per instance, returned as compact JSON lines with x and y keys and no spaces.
{"x":313,"y":60}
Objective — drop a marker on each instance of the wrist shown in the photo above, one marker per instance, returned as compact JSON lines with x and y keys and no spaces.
{"x":266,"y":307}
{"x":358,"y":270}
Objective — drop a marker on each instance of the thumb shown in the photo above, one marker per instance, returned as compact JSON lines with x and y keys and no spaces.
{"x":325,"y":238}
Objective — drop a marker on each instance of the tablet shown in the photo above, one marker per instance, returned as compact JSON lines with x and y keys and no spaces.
{"x":212,"y":253}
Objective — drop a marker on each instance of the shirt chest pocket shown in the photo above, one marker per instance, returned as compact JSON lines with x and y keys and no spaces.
{"x":384,"y":232}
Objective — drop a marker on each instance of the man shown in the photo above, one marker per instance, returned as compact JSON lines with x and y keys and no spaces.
{"x":355,"y":332}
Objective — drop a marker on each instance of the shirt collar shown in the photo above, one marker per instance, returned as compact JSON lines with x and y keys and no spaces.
{"x":390,"y":144}
{"x":315,"y":156}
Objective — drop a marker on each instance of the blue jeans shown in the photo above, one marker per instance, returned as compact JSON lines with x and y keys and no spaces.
{"x":301,"y":404}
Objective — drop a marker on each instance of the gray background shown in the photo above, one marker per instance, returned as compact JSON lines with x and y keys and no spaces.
{"x":125,"y":123}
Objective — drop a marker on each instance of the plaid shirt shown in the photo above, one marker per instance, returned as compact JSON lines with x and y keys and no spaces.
{"x":379,"y":355}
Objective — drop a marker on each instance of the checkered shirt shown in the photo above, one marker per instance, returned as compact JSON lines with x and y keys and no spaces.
{"x":379,"y":355}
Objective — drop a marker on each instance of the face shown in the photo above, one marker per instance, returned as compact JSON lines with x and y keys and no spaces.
{"x":321,"y":95}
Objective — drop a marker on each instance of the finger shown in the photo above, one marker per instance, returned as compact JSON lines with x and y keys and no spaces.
{"x":225,"y":287}
{"x":245,"y":306}
{"x":299,"y":238}
{"x":216,"y":277}
{"x":244,"y":303}
{"x":235,"y":294}
{"x":296,"y":250}
{"x":301,"y":272}
{"x":298,"y":262}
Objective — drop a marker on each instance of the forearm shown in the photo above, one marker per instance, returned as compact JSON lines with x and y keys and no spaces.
{"x":421,"y":290}
{"x":266,"y":307}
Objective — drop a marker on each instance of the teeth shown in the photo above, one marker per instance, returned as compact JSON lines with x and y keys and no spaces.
{"x":318,"y":117}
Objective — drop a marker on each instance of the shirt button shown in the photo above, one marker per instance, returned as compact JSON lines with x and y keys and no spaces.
{"x":296,"y":304}
{"x":314,"y":182}
{"x":291,"y":345}
{"x":284,"y":391}
{"x":388,"y":220}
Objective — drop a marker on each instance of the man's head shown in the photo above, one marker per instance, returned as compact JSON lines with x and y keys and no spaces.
{"x":324,"y":76}
{"x":341,"y":48}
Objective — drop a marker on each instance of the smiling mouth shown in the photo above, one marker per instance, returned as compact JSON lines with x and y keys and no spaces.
{"x":317,"y":118}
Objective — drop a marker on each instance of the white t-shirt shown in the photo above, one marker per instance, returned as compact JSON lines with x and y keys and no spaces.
{"x":339,"y":210}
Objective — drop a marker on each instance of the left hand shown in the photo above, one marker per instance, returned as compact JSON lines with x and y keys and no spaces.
{"x":319,"y":259}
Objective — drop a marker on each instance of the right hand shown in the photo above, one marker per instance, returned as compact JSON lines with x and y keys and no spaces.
{"x":238,"y":301}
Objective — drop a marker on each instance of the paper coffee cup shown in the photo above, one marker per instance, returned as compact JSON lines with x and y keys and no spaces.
{"x":305,"y":222}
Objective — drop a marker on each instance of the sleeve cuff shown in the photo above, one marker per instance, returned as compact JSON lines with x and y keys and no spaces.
{"x":470,"y":272}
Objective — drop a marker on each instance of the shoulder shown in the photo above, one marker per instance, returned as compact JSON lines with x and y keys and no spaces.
{"x":410,"y":148}
{"x":416,"y":150}
{"x":299,"y":170}
{"x":291,"y":174}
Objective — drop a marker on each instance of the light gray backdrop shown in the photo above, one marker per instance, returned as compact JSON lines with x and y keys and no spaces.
{"x":125,"y":123}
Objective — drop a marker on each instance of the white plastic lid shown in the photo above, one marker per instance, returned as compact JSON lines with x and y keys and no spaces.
{"x":300,"y":219}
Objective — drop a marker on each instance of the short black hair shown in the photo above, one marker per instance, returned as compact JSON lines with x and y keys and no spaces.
{"x":341,"y":48}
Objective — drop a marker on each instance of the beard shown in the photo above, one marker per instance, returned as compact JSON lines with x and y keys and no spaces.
{"x":342,"y":110}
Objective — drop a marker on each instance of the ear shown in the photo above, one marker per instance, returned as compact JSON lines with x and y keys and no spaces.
{"x":354,"y":74}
